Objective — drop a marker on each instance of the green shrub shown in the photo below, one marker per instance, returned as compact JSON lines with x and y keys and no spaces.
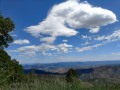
{"x":71,"y":75}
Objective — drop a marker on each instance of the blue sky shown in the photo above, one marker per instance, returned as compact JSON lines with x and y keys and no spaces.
{"x":63,"y":30}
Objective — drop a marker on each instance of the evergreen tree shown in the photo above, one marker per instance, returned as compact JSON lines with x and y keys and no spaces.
{"x":10,"y":70}
{"x":71,"y":75}
{"x":6,"y":26}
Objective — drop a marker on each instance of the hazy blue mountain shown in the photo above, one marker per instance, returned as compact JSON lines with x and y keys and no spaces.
{"x":67,"y":65}
{"x":79,"y":71}
{"x":28,"y":71}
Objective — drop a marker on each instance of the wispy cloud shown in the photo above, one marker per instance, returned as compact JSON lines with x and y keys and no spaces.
{"x":87,"y":48}
{"x":110,"y":38}
{"x":115,"y":36}
{"x":116,"y":53}
{"x":86,"y":43}
{"x":43,"y":49}
{"x":21,"y":41}
{"x":65,"y":41}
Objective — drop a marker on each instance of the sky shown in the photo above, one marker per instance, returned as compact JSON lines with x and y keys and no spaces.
{"x":50,"y":31}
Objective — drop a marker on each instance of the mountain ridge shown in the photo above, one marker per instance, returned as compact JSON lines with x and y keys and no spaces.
{"x":70,"y":64}
{"x":63,"y":67}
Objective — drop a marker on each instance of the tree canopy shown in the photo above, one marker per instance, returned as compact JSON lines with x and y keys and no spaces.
{"x":10,"y":70}
{"x":6,"y":26}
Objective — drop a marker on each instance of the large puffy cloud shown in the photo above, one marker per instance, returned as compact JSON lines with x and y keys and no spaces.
{"x":83,"y":15}
{"x":21,"y":41}
{"x":63,"y":20}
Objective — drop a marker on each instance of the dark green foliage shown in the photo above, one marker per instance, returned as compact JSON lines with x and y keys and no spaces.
{"x":6,"y":26}
{"x":10,"y":70}
{"x":71,"y":75}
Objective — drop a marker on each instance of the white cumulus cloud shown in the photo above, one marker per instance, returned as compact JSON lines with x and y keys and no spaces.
{"x":64,"y":18}
{"x":64,"y":47}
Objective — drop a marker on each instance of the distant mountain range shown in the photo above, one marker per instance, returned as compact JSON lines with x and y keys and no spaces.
{"x":61,"y":68}
{"x":109,"y":73}
{"x":89,"y":71}
{"x":79,"y":71}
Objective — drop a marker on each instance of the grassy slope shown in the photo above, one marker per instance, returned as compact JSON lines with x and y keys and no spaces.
{"x":57,"y":83}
